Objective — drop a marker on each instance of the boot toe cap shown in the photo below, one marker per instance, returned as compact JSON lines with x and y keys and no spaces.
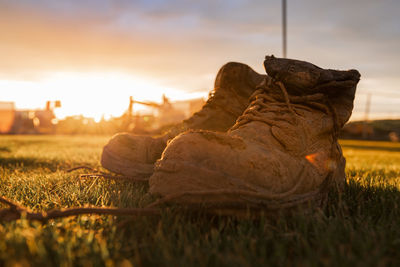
{"x":204,"y":161}
{"x":130,"y":154}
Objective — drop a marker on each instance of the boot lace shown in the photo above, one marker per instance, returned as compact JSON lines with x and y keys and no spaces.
{"x":267,"y":99}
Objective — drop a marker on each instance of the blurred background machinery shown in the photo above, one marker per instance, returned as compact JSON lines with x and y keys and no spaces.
{"x":40,"y":121}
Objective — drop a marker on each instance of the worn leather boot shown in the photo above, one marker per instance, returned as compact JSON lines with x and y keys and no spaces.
{"x":134,"y":155}
{"x":282,"y":151}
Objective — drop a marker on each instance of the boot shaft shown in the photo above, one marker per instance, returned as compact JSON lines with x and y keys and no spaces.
{"x":234,"y":84}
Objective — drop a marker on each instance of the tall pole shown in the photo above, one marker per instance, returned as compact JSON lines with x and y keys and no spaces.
{"x":367,"y":107}
{"x":284,"y":46}
{"x":366,"y":118}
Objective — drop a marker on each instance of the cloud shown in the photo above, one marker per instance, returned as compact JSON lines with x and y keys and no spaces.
{"x":141,"y":38}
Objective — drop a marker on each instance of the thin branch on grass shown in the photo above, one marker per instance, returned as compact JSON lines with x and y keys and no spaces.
{"x":114,"y":177}
{"x":16,"y":211}
{"x":80,"y":168}
{"x":245,"y":200}
{"x":96,"y":173}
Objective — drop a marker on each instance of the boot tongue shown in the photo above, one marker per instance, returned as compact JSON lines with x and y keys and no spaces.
{"x":303,"y":78}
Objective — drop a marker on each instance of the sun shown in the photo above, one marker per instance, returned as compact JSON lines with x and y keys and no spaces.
{"x":100,"y":94}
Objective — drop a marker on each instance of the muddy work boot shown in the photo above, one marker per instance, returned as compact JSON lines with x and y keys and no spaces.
{"x":281,"y":153}
{"x":134,"y":155}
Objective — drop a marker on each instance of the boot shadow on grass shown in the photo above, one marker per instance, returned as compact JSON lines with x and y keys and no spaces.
{"x":372,"y":203}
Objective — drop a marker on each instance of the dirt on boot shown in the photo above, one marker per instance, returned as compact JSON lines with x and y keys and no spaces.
{"x":281,"y":153}
{"x":134,"y":155}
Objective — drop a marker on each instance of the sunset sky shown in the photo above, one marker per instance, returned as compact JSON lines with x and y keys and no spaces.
{"x":93,"y":54}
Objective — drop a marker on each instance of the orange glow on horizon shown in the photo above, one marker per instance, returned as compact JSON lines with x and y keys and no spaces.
{"x":93,"y":95}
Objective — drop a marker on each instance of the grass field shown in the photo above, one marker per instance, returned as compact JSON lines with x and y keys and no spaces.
{"x":360,"y":227}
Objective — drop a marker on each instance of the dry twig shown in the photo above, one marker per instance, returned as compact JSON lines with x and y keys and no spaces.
{"x":96,"y":173}
{"x":80,"y":168}
{"x":15,"y":212}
